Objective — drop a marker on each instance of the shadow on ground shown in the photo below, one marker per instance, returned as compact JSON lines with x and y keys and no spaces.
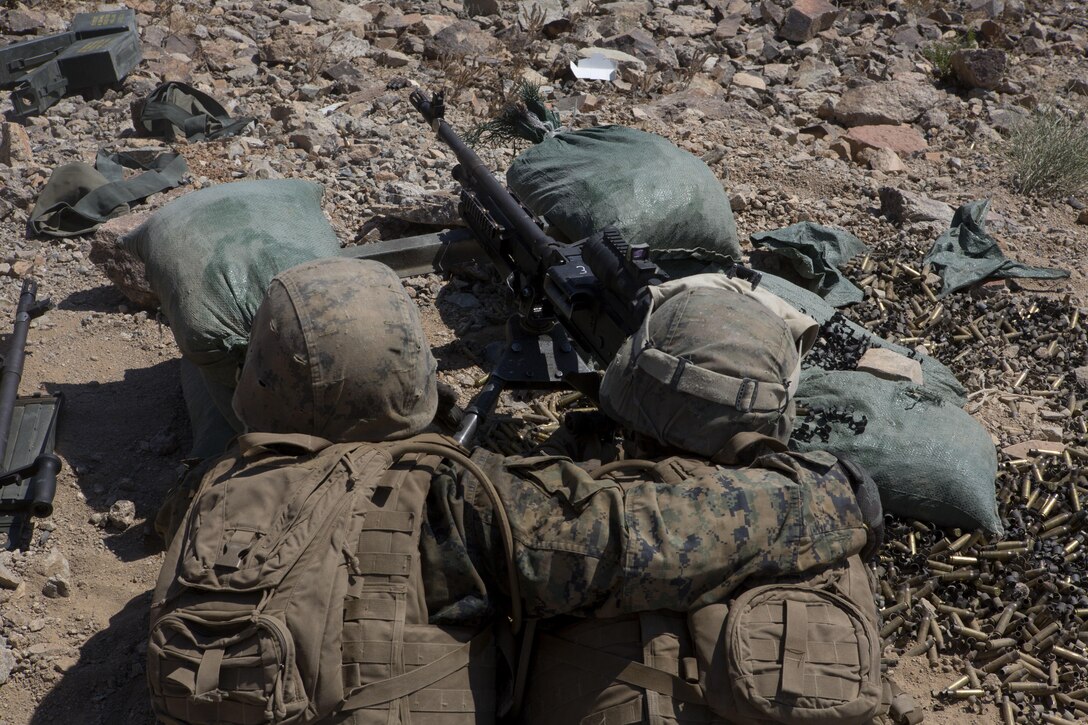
{"x":100,"y":689}
{"x":141,"y":418}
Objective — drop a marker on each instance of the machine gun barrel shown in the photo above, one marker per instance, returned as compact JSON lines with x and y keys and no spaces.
{"x":13,"y":360}
{"x":539,"y":243}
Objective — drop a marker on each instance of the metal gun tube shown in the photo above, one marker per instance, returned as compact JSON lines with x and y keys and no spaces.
{"x":13,"y":361}
{"x":496,"y":193}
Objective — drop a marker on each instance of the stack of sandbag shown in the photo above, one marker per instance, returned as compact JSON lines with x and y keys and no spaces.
{"x":931,"y":460}
{"x":585,"y":180}
{"x":653,"y":192}
{"x":209,"y":257}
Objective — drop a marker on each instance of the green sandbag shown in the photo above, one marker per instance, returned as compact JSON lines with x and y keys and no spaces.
{"x":937,"y":379}
{"x":931,"y":460}
{"x":210,"y":255}
{"x":655,"y":193}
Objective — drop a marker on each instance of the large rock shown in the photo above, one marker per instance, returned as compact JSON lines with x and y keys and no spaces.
{"x":979,"y":67}
{"x":14,"y":145}
{"x":122,"y":267}
{"x":687,"y":26}
{"x":891,"y":102}
{"x":482,"y":7}
{"x":806,"y":18}
{"x":7,"y":661}
{"x":8,"y":578}
{"x":903,"y":207}
{"x":901,"y":139}
{"x":462,"y":39}
{"x":643,"y":45}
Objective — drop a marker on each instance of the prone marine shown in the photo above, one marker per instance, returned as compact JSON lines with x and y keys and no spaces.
{"x":344,"y":562}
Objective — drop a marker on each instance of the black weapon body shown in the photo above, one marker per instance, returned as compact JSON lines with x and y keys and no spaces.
{"x":597,"y":288}
{"x":28,"y":466}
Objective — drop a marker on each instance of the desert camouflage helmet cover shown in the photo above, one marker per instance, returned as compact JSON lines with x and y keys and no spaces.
{"x":337,"y":351}
{"x":712,"y":359}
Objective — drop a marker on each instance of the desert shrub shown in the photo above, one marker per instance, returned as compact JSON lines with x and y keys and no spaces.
{"x":1049,"y":152}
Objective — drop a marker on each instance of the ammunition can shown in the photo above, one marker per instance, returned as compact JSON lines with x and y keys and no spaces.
{"x":17,"y":59}
{"x":100,"y":61}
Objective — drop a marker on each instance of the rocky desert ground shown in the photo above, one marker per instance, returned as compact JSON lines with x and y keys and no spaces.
{"x":856,"y":114}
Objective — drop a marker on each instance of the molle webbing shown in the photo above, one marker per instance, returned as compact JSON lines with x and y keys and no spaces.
{"x":397,"y":668}
{"x":636,"y":669}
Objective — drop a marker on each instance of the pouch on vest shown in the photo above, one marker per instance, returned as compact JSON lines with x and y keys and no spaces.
{"x":797,"y":651}
{"x":635,"y":669}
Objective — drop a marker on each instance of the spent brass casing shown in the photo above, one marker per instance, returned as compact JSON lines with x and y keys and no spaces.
{"x":959,"y":543}
{"x":996,"y":664}
{"x":1008,"y":717}
{"x":1057,"y":520}
{"x":1003,"y":619}
{"x":1056,"y":720}
{"x":1029,"y":687}
{"x":891,"y":627}
{"x":972,"y":633}
{"x":921,"y":647}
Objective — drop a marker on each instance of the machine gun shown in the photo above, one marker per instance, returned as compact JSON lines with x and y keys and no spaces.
{"x":98,"y":49}
{"x":28,"y":466}
{"x":596,"y":289}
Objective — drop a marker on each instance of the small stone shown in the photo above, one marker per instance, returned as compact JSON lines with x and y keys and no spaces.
{"x":901,"y":139}
{"x":1051,"y":433}
{"x":748,"y":80}
{"x":14,"y":145}
{"x":8,"y":578}
{"x":393,"y":59}
{"x":890,"y":365}
{"x":64,"y":664}
{"x":842,"y":149}
{"x":1023,"y":449}
{"x":979,"y":67}
{"x":122,"y":514}
{"x":57,"y":587}
{"x":482,"y":7}
{"x":889,"y":102}
{"x":806,"y":18}
{"x":54,"y":564}
{"x":904,"y":207}
{"x":884,"y":160}
{"x":36,"y":625}
{"x":1083,"y":217}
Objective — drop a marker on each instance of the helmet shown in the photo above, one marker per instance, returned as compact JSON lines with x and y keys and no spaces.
{"x":337,"y":351}
{"x":712,"y":359}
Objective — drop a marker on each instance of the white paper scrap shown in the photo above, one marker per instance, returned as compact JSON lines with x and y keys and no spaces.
{"x":595,"y":68}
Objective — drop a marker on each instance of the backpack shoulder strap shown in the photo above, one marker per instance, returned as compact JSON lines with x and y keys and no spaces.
{"x":449,"y":449}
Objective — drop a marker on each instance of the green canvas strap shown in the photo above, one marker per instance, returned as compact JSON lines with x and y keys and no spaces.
{"x":179,"y":108}
{"x":78,"y":197}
